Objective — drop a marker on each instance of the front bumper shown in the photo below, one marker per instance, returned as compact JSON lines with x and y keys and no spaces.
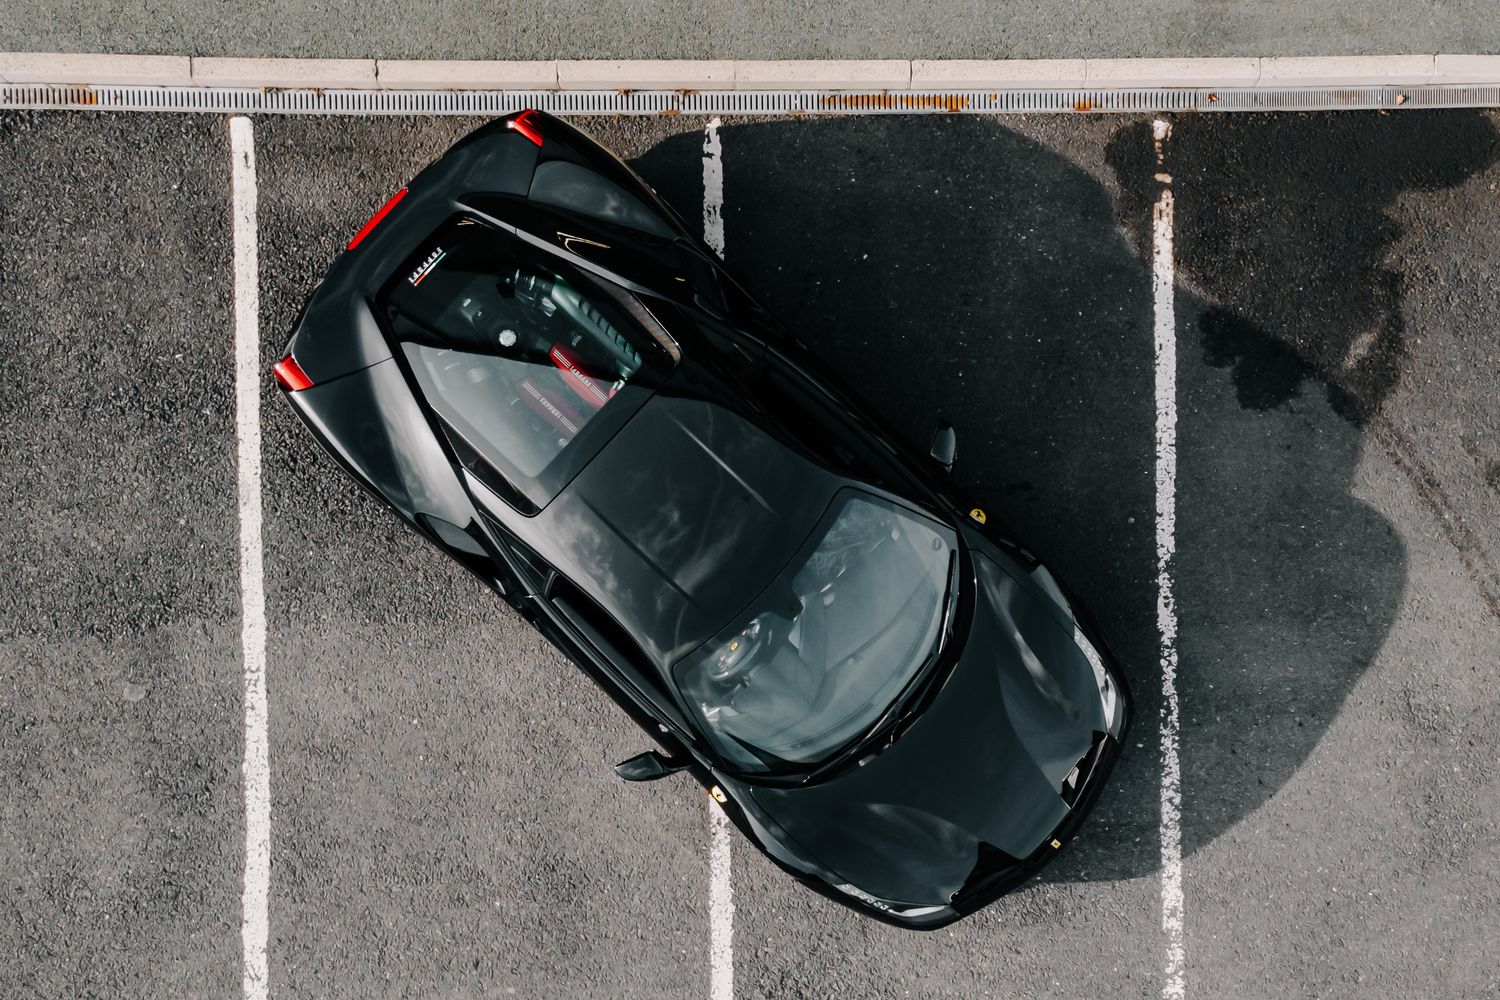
{"x":980,"y":894}
{"x":983,"y":891}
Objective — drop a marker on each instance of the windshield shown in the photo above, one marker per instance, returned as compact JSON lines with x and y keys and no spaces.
{"x":825,"y":649}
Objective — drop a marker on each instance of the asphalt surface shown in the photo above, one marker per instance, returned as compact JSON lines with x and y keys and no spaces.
{"x":445,"y":823}
{"x":775,"y":29}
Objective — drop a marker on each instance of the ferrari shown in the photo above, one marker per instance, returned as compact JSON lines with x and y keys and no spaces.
{"x":532,"y":360}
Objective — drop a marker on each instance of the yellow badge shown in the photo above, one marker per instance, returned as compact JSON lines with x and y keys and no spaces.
{"x":977,"y":515}
{"x":717,"y":794}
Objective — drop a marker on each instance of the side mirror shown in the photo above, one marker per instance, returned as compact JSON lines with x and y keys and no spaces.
{"x":649,"y":766}
{"x":944,"y":445}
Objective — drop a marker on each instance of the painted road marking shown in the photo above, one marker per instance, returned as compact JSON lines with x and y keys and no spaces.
{"x":255,"y":770}
{"x":713,"y":187}
{"x":720,"y":893}
{"x":720,"y":908}
{"x":1164,"y":276}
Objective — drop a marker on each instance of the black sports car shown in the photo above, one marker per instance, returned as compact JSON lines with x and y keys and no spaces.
{"x":530,"y":357}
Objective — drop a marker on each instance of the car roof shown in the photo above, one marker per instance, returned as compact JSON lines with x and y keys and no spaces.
{"x":680,"y":521}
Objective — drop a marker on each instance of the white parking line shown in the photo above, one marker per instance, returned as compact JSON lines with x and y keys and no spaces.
{"x":713,"y":187}
{"x":720,"y":908}
{"x":1164,"y":274}
{"x":255,"y":770}
{"x":720,"y":892}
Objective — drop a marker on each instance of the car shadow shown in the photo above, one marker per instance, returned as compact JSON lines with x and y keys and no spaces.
{"x":1294,"y":339}
{"x":953,"y":265}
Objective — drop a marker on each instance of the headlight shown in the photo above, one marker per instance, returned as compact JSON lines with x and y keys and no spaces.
{"x":880,"y":904}
{"x":1108,"y":696}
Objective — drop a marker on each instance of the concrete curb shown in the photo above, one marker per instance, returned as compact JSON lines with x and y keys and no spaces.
{"x":1299,"y":71}
{"x":1122,"y":73}
{"x":396,"y":74}
{"x":823,"y":74}
{"x":1005,"y":74}
{"x":341,"y":74}
{"x":644,"y":74}
{"x":1274,"y":72}
{"x":99,"y":70}
{"x":1464,"y":69}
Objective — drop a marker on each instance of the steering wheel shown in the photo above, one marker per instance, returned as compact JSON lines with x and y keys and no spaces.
{"x":739,"y":654}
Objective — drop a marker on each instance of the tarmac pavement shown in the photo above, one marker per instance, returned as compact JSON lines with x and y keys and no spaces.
{"x":444,"y":820}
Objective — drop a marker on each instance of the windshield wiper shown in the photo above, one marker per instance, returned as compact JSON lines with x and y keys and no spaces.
{"x":856,"y":746}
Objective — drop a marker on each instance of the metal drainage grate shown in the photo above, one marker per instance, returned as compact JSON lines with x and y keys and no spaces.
{"x":730,"y":102}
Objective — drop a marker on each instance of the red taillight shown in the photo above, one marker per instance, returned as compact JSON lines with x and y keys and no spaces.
{"x":375,"y":219}
{"x":290,"y":374}
{"x":526,"y":124}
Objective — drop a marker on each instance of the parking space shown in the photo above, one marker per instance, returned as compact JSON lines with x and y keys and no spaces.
{"x":120,"y":819}
{"x":444,"y":820}
{"x":1338,"y":641}
{"x":939,"y":265}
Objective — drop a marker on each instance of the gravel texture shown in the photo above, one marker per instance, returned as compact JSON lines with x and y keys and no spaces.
{"x":771,"y":29}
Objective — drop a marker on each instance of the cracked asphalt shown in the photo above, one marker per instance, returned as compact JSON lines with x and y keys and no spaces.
{"x":444,"y":819}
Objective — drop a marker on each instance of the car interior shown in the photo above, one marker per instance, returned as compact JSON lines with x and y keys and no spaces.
{"x":510,"y":352}
{"x":831,"y":644}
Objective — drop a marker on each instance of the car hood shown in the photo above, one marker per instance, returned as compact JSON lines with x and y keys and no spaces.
{"x":975,"y":783}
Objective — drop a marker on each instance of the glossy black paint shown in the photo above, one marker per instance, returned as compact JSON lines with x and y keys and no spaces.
{"x":711,"y":503}
{"x":699,"y":500}
{"x":944,"y":449}
{"x":649,"y":766}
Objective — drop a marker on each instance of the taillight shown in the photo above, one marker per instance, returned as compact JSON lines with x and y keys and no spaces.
{"x":526,"y":124}
{"x":290,"y":374}
{"x":375,"y":219}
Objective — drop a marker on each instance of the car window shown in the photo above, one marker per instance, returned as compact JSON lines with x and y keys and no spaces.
{"x":830,"y":644}
{"x":529,"y":363}
{"x":576,"y":188}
